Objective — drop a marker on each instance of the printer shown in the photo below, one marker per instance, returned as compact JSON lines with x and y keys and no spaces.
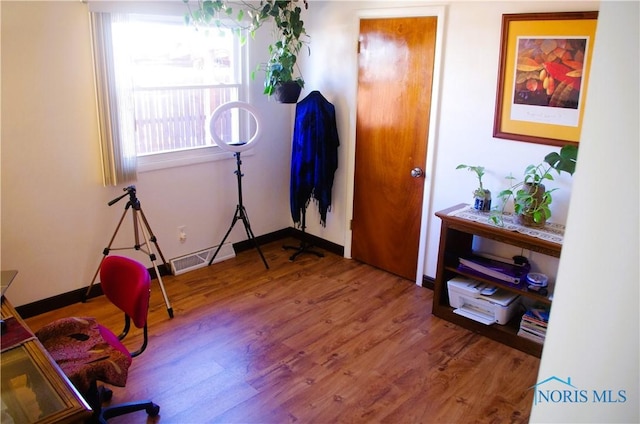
{"x":481,"y":302}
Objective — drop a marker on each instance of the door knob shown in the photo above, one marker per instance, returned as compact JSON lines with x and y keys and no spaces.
{"x":417,"y":172}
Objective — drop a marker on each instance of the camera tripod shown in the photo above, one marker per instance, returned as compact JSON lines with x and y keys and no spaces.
{"x":240,"y":214}
{"x":140,"y":225}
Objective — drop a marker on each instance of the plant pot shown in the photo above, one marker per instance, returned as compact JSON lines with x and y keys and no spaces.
{"x":482,"y":202}
{"x":526,"y":218}
{"x":287,"y":92}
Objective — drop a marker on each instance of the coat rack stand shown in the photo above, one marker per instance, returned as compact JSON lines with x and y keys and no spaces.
{"x":314,"y":160}
{"x":304,"y":247}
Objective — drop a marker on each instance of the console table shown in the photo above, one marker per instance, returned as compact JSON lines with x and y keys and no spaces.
{"x":456,"y":239}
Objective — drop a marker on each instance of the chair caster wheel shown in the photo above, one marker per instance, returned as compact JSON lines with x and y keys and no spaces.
{"x":153,"y":410}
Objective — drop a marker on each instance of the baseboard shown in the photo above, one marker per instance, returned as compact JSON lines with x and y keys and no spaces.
{"x":291,"y":233}
{"x":59,"y":301}
{"x":80,"y":295}
{"x":315,"y":241}
{"x":428,"y":282}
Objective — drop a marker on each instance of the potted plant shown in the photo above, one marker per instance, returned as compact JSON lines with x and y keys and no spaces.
{"x":281,"y":70}
{"x":481,"y":196}
{"x":531,"y":199}
{"x":281,"y":79}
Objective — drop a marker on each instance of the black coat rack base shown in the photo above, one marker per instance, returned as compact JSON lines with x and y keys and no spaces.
{"x":304,"y":247}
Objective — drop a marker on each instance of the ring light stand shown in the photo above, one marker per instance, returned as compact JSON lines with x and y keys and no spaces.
{"x":236,"y":148}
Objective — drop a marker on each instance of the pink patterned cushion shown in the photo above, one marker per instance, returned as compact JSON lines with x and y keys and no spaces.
{"x":86,"y":352}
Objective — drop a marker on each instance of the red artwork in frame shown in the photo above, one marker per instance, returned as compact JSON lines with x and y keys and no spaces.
{"x":543,"y":76}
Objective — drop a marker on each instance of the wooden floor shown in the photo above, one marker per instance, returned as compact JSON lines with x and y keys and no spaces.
{"x":318,"y":340}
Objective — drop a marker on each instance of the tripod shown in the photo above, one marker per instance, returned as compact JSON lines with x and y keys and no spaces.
{"x":241,"y":213}
{"x":140,"y":225}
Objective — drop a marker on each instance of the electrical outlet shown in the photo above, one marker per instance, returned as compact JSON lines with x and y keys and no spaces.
{"x":182,"y":234}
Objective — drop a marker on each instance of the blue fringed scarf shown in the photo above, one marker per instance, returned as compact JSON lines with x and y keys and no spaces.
{"x":314,"y":157}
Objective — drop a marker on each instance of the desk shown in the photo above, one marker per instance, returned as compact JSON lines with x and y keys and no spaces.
{"x":34,"y":389}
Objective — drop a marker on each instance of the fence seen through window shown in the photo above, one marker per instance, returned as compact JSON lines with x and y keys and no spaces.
{"x":179,"y":76}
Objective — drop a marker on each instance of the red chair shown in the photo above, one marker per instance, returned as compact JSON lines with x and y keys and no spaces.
{"x":88,"y":352}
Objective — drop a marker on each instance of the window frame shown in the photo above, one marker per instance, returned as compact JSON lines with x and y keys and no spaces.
{"x":204,"y":154}
{"x":189,"y":156}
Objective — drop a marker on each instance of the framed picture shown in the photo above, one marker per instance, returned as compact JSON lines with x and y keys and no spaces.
{"x":543,"y":76}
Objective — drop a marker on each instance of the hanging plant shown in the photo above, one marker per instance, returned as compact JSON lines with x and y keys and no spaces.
{"x":289,"y":33}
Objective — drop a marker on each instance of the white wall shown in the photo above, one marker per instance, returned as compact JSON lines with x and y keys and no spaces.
{"x":593,"y":335}
{"x":465,"y":109}
{"x":55,"y":221}
{"x":55,"y":218}
{"x":37,"y":34}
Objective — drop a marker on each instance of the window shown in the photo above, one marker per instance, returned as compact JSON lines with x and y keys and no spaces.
{"x":164,"y":79}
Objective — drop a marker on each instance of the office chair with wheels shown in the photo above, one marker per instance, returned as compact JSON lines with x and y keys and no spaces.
{"x":88,"y":352}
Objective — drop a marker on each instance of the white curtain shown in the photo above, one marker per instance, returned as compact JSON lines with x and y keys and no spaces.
{"x":115,"y":104}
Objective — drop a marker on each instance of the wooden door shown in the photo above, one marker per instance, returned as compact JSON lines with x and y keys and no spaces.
{"x":395,"y":72}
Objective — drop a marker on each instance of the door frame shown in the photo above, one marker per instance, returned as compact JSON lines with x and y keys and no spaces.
{"x":427,"y":204}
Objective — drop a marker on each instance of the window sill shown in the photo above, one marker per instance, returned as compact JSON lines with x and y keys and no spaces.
{"x":184,"y":158}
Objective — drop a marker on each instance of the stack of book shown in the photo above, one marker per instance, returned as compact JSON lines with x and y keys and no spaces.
{"x":533,"y":325}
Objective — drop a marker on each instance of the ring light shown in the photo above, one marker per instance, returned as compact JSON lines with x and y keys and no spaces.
{"x":233,"y":147}
{"x":236,"y":148}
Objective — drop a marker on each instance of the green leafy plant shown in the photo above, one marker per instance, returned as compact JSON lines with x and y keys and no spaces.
{"x":289,"y":32}
{"x":531,"y":199}
{"x":479,"y":171}
{"x":481,"y":196}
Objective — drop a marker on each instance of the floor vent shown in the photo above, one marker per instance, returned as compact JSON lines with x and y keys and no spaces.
{"x":201,"y":259}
